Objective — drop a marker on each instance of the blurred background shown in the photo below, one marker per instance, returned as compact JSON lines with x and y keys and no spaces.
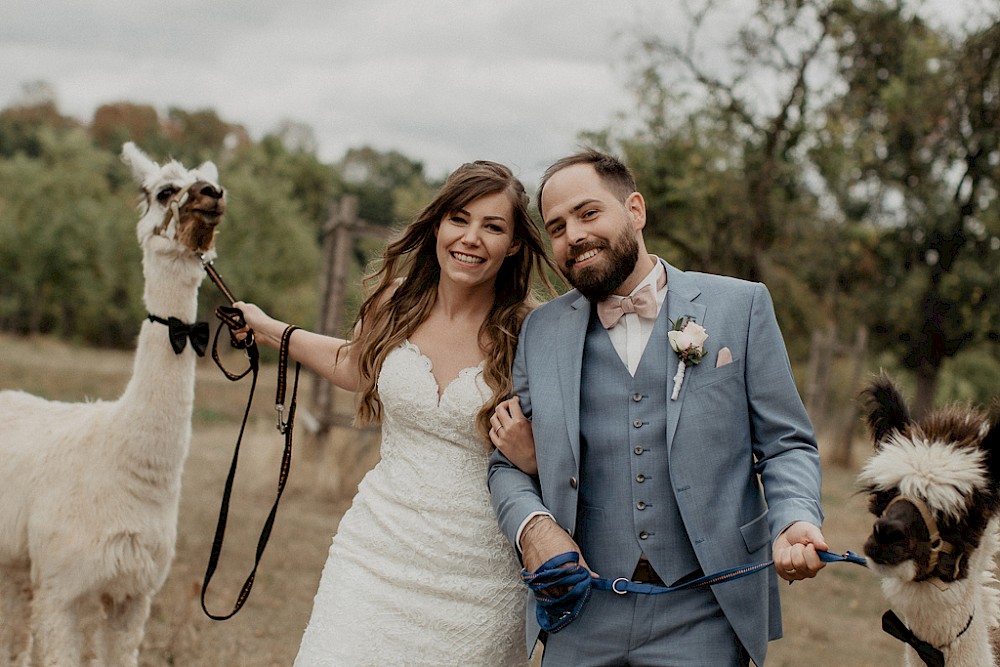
{"x":844,"y":152}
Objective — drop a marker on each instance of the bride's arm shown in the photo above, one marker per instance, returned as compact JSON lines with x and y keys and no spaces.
{"x":321,"y":354}
{"x":511,"y":434}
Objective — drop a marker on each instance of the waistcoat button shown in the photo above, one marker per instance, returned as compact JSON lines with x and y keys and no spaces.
{"x":637,"y":423}
{"x":572,"y":482}
{"x":638,"y":450}
{"x":636,"y":397}
{"x":640,"y":478}
{"x":643,"y":535}
{"x":640,"y":505}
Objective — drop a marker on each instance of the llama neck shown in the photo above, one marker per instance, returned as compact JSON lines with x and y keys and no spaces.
{"x":939,"y":616}
{"x":159,"y":398}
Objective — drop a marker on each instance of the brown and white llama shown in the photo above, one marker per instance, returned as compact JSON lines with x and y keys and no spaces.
{"x":934,"y":488}
{"x":89,"y":492}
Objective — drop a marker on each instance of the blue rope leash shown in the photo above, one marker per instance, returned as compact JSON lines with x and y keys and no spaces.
{"x":572,"y":584}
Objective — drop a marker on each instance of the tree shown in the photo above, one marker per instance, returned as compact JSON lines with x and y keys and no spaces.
{"x":912,"y":151}
{"x":390,"y":186}
{"x":114,"y":124}
{"x":719,"y":150}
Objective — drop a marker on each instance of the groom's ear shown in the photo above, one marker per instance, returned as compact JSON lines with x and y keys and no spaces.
{"x":636,"y":206}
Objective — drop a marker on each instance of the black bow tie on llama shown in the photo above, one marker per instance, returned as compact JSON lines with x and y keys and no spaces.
{"x":180,"y":333}
{"x":931,"y":655}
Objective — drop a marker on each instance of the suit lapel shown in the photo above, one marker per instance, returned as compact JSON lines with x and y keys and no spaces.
{"x":681,"y":292}
{"x":573,"y":324}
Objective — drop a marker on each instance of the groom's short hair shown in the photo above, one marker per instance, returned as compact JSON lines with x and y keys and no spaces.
{"x":612,"y":171}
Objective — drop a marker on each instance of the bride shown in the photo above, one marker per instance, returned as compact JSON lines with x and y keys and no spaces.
{"x":418,"y":572}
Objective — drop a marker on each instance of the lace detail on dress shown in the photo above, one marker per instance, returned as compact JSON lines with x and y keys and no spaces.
{"x":418,"y":572}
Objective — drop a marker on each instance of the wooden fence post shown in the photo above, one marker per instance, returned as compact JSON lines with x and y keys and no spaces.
{"x":338,"y":237}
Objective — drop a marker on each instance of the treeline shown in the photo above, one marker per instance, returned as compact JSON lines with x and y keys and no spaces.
{"x":846,"y":153}
{"x":69,"y":260}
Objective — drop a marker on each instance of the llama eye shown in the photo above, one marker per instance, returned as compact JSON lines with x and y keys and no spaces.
{"x":165,"y":194}
{"x":878,"y":501}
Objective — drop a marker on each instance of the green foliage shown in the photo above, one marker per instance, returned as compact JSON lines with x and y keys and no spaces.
{"x":266,"y":247}
{"x":911,"y":151}
{"x":847,"y":153}
{"x":69,"y":261}
{"x":65,"y":264}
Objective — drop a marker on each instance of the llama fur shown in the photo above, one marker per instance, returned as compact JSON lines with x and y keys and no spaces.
{"x":89,"y":492}
{"x":950,"y":461}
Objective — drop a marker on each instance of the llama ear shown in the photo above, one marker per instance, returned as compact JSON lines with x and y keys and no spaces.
{"x":886,"y":410}
{"x":209,"y":170}
{"x":142,"y":166}
{"x":991,"y":445}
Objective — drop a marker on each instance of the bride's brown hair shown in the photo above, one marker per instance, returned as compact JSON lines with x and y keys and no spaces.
{"x":405,"y":286}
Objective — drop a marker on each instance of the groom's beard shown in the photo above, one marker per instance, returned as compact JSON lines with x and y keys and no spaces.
{"x":617,"y":261}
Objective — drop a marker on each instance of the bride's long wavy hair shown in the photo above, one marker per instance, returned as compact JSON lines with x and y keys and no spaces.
{"x":406,"y":281}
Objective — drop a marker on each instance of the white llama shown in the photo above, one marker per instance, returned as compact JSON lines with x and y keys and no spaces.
{"x":89,"y":491}
{"x":934,"y":487}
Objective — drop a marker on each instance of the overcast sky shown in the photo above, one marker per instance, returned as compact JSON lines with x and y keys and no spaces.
{"x":442,"y":81}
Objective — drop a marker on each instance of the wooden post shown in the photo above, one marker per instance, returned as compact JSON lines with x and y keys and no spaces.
{"x":337,"y":240}
{"x":337,"y":243}
{"x":842,"y":455}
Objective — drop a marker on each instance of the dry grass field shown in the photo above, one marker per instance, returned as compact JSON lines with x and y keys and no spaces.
{"x":832,"y":621}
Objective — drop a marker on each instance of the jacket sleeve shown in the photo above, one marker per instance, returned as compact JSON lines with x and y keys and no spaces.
{"x":784,"y":444}
{"x":516,"y":495}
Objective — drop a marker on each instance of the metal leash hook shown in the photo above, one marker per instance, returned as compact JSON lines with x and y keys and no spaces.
{"x":284,"y":425}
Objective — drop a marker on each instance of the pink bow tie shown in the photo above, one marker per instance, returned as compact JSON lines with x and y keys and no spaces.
{"x":642,"y":303}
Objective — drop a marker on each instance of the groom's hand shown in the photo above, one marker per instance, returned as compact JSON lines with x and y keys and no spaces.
{"x":795,"y":549}
{"x":543,"y":539}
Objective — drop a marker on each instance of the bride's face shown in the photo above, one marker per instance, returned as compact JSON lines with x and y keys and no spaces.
{"x":473,"y":241}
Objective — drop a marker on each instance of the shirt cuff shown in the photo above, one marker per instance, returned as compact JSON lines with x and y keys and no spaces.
{"x":520,"y":529}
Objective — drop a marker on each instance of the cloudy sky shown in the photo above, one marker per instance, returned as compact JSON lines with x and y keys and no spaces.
{"x":442,"y":81}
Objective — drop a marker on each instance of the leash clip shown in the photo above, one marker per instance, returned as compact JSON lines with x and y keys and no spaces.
{"x":282,"y":424}
{"x":614,"y":586}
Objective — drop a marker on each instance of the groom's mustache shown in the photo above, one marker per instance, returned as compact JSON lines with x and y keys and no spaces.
{"x":585,"y":247}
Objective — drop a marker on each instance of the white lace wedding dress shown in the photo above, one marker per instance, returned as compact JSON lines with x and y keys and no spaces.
{"x":418,"y":572}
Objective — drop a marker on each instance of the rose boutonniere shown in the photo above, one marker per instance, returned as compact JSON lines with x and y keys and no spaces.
{"x":688,"y":340}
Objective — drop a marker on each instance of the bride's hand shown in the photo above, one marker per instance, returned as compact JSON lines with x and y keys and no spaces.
{"x":511,"y":433}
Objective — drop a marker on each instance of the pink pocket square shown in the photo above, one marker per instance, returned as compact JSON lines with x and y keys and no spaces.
{"x":725,"y":357}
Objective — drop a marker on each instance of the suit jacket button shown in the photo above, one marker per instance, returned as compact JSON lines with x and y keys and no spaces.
{"x":572,"y":482}
{"x":643,"y":535}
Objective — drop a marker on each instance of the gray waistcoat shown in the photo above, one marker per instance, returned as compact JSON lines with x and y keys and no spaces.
{"x":626,"y":501}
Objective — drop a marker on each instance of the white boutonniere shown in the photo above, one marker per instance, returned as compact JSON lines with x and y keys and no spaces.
{"x":688,"y":340}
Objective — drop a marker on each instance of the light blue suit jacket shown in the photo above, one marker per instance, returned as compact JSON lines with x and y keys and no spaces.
{"x":730,"y":427}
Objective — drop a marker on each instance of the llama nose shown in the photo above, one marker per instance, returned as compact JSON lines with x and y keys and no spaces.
{"x":888,"y":532}
{"x":207,"y":189}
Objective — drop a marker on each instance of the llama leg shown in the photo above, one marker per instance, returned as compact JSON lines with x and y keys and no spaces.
{"x":121,"y":633}
{"x":15,"y":614}
{"x":57,"y":629}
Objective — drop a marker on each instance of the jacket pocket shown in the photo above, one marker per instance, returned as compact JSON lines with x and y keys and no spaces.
{"x":703,"y":377}
{"x":755,"y":533}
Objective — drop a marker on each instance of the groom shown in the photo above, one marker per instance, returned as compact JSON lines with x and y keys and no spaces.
{"x":642,"y":484}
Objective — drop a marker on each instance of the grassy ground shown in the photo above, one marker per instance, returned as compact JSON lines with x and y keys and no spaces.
{"x":830,"y":621}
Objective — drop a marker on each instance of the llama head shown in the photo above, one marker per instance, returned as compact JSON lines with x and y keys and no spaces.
{"x":933,"y":486}
{"x":182,"y":208}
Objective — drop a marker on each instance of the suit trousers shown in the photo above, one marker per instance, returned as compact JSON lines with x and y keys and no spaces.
{"x":681,"y":629}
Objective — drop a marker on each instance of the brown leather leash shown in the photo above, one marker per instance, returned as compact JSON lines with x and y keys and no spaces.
{"x":233,"y":319}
